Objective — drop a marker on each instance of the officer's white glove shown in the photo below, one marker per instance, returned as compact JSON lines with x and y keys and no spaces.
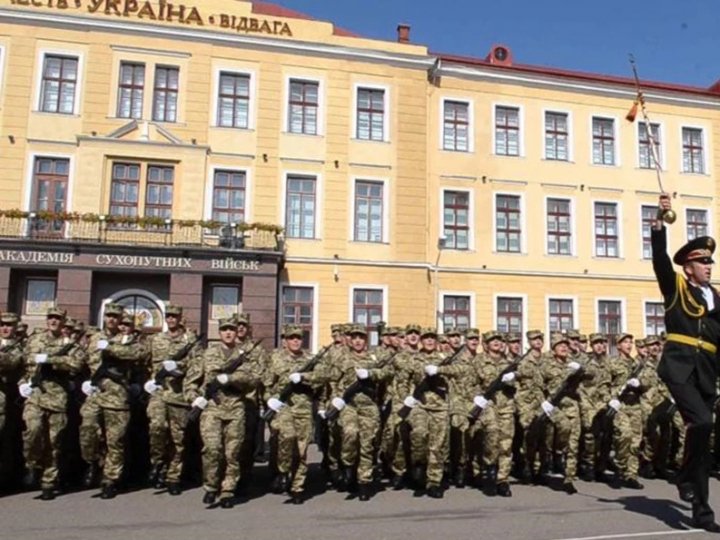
{"x":480,"y":401}
{"x":508,"y":377}
{"x":275,"y":404}
{"x":321,"y":413}
{"x":200,"y":403}
{"x":362,"y":373}
{"x":41,"y":358}
{"x":635,"y":383}
{"x":169,"y":365}
{"x":223,"y":378}
{"x":431,"y":370}
{"x":547,"y":408}
{"x":25,"y":390}
{"x":88,"y":389}
{"x":102,"y":344}
{"x":615,"y":404}
{"x":338,"y":403}
{"x":410,"y":402}
{"x":150,"y":387}
{"x":574,"y":366}
{"x":295,"y":378}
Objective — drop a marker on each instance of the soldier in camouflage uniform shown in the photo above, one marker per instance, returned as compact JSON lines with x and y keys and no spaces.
{"x":167,"y":408}
{"x":327,"y":440}
{"x":113,"y":355}
{"x":461,"y":395}
{"x":11,"y":360}
{"x":222,"y":423}
{"x":293,"y":420}
{"x":390,"y":347}
{"x":45,"y":410}
{"x":528,"y":396}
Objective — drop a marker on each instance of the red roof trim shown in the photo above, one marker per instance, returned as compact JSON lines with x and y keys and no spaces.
{"x":273,"y":10}
{"x":582,"y":75}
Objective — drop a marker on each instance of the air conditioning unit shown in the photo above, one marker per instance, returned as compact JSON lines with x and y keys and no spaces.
{"x":500,"y":55}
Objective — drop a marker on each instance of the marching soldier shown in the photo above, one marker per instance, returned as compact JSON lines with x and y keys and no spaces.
{"x":528,"y":396}
{"x":11,"y":360}
{"x":461,"y":395}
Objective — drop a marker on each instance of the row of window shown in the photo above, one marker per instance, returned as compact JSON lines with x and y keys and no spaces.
{"x":60,"y":79}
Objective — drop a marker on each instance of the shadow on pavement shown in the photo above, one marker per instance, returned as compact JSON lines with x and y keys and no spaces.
{"x":671,"y":513}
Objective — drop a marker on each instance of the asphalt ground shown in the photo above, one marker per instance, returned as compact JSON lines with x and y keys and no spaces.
{"x":596,"y":512}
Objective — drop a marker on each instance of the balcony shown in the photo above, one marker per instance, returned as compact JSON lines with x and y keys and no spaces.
{"x":148,"y":232}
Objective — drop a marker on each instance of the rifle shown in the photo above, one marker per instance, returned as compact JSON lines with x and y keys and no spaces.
{"x":41,"y":371}
{"x":496,"y":385}
{"x":609,"y":413}
{"x":568,"y":386}
{"x":11,"y":346}
{"x":425,"y":385}
{"x":164,"y":374}
{"x":213,"y":387}
{"x":289,"y":389}
{"x":356,"y":387}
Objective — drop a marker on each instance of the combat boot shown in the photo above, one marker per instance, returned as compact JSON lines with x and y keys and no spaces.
{"x":108,"y":491}
{"x":569,"y":488}
{"x":631,"y":483}
{"x":279,"y":484}
{"x":558,"y":466}
{"x":585,"y":472}
{"x":296,"y":497}
{"x":174,"y":488}
{"x":459,"y":479}
{"x":92,"y":475}
{"x":155,"y":476}
{"x":490,"y":481}
{"x":398,"y":482}
{"x":31,"y":478}
{"x":209,"y":498}
{"x":227,"y":502}
{"x":47,"y":494}
{"x":365,"y":492}
{"x":435,"y":492}
{"x":647,"y":470}
{"x":503,"y":489}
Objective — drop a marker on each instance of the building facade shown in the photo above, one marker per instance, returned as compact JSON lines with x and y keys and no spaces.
{"x":240,"y":156}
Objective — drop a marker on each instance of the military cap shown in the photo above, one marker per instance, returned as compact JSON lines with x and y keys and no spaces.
{"x":413,"y":328}
{"x":346,"y":328}
{"x":357,"y":329}
{"x":173,"y":309}
{"x":114,"y":309}
{"x":9,"y":318}
{"x":597,"y":337}
{"x":56,"y":312}
{"x":512,"y":337}
{"x":583,"y":338}
{"x":492,"y":334}
{"x":243,"y":318}
{"x":700,"y":249}
{"x":572,"y":334}
{"x":79,"y":326}
{"x":228,"y":322}
{"x":428,"y":331}
{"x":391,"y":331}
{"x":292,"y":330}
{"x":453,"y":331}
{"x":652,"y":340}
{"x":22,"y":326}
{"x":70,"y":323}
{"x":622,"y":336}
{"x":127,"y":318}
{"x":442,"y":338}
{"x":336,"y":327}
{"x":558,"y":338}
{"x":472,"y":333}
{"x":534,"y":334}
{"x":640,"y":343}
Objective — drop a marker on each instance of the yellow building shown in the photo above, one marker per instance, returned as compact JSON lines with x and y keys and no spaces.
{"x":152,"y":149}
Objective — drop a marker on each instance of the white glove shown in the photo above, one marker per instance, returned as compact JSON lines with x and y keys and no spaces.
{"x":431,"y":370}
{"x":25,"y":390}
{"x":635,"y":383}
{"x":275,"y":404}
{"x":338,"y":403}
{"x":223,"y":378}
{"x":574,"y":366}
{"x":547,"y":408}
{"x":362,"y":374}
{"x":321,"y":413}
{"x":200,"y":403}
{"x":150,"y":387}
{"x":169,"y":365}
{"x":102,"y":344}
{"x":295,"y":378}
{"x":508,"y":377}
{"x":410,"y":402}
{"x":88,"y":389}
{"x":615,"y":404}
{"x":480,"y":401}
{"x":41,"y":358}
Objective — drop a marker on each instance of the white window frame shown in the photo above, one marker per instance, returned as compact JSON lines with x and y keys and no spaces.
{"x":621,"y":244}
{"x":571,"y":154}
{"x":129,"y":292}
{"x":525,"y":309}
{"x":252,"y":99}
{"x":320,"y":106}
{"x":29,"y":173}
{"x":663,"y":151}
{"x":573,"y":232}
{"x":319,"y":191}
{"x":623,"y":311}
{"x":79,"y":86}
{"x":351,"y":295}
{"x":521,"y":128}
{"x":386,"y":110}
{"x":316,"y":308}
{"x":471,"y":124}
{"x":210,"y":185}
{"x":523,"y":231}
{"x":645,"y":302}
{"x":471,"y":218}
{"x":576,"y":310}
{"x":617,"y":161}
{"x":707,"y":211}
{"x":470,"y":294}
{"x":386,"y":208}
{"x":640,"y":223}
{"x":706,"y":149}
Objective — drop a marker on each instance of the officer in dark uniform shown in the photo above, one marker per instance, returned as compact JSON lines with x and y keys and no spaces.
{"x":689,"y":361}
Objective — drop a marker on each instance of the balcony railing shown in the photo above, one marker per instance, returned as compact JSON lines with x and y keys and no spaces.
{"x":98,"y":229}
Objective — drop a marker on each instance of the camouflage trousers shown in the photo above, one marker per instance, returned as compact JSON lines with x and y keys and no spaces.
{"x":590,"y":448}
{"x":42,"y":441}
{"x":627,"y":436}
{"x":562,"y":436}
{"x":359,"y":427}
{"x":293,"y":429}
{"x":428,"y":438}
{"x":222,"y":433}
{"x":658,"y":439}
{"x":506,"y":434}
{"x":2,"y":411}
{"x":526,"y":410}
{"x":98,"y":423}
{"x":396,"y":441}
{"x":167,"y":436}
{"x":460,"y":442}
{"x":483,"y":436}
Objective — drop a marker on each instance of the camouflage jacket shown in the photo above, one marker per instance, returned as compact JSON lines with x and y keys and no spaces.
{"x":621,"y":369}
{"x":276,"y":379}
{"x":463,"y":389}
{"x":483,"y":371}
{"x":343,"y":374}
{"x":402,"y":383}
{"x":260,"y":358}
{"x":163,"y":347}
{"x":437,"y":395}
{"x":528,"y":381}
{"x":596,"y":392}
{"x":56,"y":375}
{"x":10,"y":361}
{"x":554,"y":373}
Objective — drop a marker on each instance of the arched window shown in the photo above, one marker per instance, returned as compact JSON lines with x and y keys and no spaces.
{"x":149,"y":311}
